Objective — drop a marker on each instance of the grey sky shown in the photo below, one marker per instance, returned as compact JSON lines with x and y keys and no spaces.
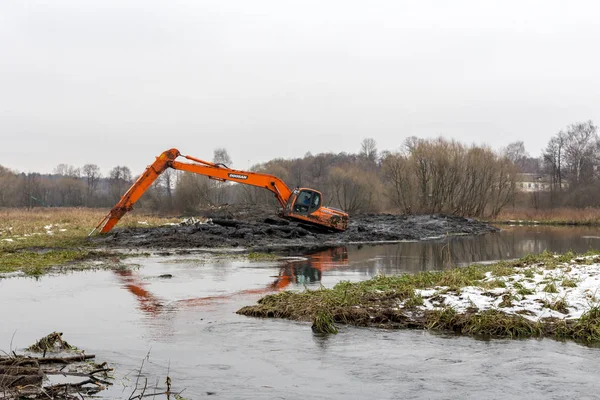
{"x":117,"y":82}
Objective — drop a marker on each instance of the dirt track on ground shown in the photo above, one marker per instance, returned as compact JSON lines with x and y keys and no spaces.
{"x":262,"y":231}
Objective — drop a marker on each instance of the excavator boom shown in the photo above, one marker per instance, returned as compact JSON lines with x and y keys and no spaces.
{"x":136,"y":191}
{"x":310,"y":210}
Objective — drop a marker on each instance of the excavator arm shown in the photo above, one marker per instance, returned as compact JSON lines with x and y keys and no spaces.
{"x":213,"y":171}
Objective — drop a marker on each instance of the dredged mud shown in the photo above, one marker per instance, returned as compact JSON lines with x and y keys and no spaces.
{"x":262,"y":231}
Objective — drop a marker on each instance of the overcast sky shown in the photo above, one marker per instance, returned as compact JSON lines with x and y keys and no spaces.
{"x":117,"y":82}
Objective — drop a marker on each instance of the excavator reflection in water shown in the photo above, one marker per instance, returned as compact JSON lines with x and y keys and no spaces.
{"x":302,"y":271}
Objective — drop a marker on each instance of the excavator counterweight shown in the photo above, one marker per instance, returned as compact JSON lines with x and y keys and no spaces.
{"x":301,"y":204}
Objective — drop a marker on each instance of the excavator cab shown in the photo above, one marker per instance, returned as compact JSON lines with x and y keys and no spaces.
{"x":306,"y":204}
{"x":307,"y":201}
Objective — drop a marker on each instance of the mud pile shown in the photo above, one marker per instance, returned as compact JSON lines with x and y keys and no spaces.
{"x":256,"y":231}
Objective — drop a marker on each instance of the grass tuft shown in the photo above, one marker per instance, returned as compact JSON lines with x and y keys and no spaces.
{"x":323,"y":323}
{"x":567,"y":282}
{"x":550,"y":288}
{"x":559,"y":305}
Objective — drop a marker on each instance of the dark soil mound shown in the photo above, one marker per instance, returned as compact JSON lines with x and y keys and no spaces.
{"x":256,"y":230}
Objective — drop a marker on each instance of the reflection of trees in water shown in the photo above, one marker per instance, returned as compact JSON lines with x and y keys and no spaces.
{"x":512,"y":242}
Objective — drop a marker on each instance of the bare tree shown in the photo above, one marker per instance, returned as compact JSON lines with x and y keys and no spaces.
{"x":515,"y":152}
{"x":398,"y":176}
{"x":192,"y":192}
{"x":553,"y":158}
{"x":119,"y":181}
{"x":67,"y":170}
{"x":30,"y":190}
{"x":8,"y":188}
{"x":120,"y":173}
{"x":353,"y":189}
{"x":168,"y":181}
{"x":581,"y":140}
{"x":504,"y":187}
{"x":221,"y":156}
{"x":217,"y":191}
{"x":92,"y":175}
{"x":368,"y":149}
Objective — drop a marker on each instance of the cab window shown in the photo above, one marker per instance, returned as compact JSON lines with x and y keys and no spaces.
{"x":303,"y":202}
{"x":307,"y":202}
{"x":315,"y":203}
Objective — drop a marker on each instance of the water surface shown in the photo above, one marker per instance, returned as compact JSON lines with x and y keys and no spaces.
{"x":188,"y":325}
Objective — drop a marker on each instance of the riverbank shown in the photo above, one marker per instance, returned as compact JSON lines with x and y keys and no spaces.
{"x":557,"y":216}
{"x":33,"y":241}
{"x":542,"y":295}
{"x":36,"y":241}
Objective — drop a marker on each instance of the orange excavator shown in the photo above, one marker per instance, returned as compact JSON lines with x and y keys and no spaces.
{"x":300,"y":204}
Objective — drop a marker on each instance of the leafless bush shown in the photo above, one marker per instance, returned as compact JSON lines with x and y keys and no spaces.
{"x":441,"y":176}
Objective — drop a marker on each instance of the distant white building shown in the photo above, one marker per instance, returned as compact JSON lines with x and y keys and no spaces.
{"x":536,"y":183}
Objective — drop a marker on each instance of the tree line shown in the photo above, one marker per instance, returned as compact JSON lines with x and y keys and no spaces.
{"x":67,"y":186}
{"x":422,"y":176}
{"x":426,"y":176}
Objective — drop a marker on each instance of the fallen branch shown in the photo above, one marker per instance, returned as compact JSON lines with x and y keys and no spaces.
{"x":78,"y":373}
{"x":10,"y":381}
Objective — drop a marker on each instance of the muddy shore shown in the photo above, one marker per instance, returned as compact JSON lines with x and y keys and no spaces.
{"x":263,"y":231}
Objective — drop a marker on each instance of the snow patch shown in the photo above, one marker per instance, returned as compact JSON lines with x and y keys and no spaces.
{"x":531,"y":292}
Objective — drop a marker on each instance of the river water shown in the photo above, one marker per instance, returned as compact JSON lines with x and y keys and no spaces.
{"x":187,"y":325}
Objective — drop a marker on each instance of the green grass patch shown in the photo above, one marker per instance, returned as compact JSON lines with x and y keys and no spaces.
{"x":262,"y":256}
{"x":587,"y":327}
{"x":492,"y":284}
{"x":566,"y":257}
{"x":36,"y":262}
{"x":529,"y":273}
{"x":522,"y":290}
{"x":415,"y":301}
{"x":503,"y":269}
{"x":488,"y":323}
{"x":33,"y":262}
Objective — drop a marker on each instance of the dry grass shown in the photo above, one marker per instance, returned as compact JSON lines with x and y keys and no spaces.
{"x":31,"y":240}
{"x":575,"y":216}
{"x":56,"y":227}
{"x":16,"y":221}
